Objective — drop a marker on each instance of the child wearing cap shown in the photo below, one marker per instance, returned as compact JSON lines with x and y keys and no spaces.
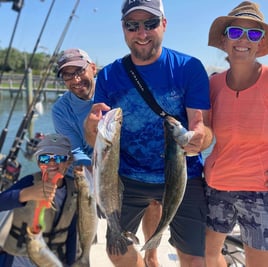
{"x":237,"y":169}
{"x":51,"y":185}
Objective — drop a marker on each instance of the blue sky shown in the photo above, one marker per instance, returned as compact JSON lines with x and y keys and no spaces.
{"x":96,"y":27}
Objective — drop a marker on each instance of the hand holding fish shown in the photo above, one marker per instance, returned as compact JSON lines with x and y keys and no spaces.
{"x":91,"y":122}
{"x":176,"y":136}
{"x":202,"y":137}
{"x":108,"y":185}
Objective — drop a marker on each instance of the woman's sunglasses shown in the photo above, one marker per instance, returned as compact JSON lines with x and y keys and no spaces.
{"x":148,"y":24}
{"x":45,"y":159}
{"x":235,"y":33}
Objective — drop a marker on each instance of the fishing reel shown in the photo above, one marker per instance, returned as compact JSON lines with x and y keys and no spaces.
{"x":9,"y":172}
{"x":31,"y":145}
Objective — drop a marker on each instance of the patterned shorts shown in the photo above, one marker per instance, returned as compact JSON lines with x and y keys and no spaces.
{"x":247,"y":209}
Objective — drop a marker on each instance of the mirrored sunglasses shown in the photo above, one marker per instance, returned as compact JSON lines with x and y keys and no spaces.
{"x":235,"y":33}
{"x":148,"y":24}
{"x":66,"y":76}
{"x":45,"y":159}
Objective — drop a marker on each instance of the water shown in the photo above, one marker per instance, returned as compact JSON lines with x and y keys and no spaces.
{"x":40,"y":123}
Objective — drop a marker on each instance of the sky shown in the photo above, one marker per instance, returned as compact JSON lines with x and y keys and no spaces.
{"x":96,"y":27}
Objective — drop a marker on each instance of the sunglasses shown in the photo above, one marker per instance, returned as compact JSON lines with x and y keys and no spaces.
{"x":67,"y":76}
{"x":45,"y":159}
{"x":235,"y":33}
{"x":148,"y":24}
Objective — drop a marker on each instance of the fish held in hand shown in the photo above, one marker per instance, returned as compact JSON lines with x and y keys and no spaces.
{"x":108,"y":186}
{"x":87,"y":214}
{"x":39,"y":252}
{"x":176,"y":136}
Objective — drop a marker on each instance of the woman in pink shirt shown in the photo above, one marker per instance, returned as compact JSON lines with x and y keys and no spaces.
{"x":237,"y":169}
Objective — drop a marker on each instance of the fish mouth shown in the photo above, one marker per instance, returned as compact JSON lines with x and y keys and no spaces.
{"x":171,"y":121}
{"x":109,"y":122}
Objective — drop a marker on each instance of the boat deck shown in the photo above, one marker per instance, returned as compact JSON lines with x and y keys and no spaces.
{"x":166,"y":253}
{"x":98,"y":257}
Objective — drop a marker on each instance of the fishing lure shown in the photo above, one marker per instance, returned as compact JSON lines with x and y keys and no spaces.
{"x":42,"y":205}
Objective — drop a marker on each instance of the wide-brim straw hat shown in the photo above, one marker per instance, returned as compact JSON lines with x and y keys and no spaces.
{"x":244,"y":11}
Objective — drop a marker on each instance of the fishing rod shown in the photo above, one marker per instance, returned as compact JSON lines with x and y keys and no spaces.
{"x":9,"y":167}
{"x":28,"y":117}
{"x":5,"y":130}
{"x":11,"y":158}
{"x":10,"y":46}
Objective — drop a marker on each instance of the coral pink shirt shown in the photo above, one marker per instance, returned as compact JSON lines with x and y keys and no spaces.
{"x":239,"y":159}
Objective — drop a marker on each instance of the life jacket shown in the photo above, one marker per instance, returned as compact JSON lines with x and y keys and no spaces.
{"x":55,"y":233}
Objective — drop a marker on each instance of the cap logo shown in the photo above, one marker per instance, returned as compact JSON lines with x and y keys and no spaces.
{"x":66,"y":57}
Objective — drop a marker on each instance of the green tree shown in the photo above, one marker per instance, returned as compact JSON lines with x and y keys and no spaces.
{"x":17,"y":61}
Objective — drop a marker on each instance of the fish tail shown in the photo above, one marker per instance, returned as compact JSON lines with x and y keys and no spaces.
{"x":152,"y":243}
{"x":95,"y":240}
{"x":117,"y":242}
{"x":133,"y":237}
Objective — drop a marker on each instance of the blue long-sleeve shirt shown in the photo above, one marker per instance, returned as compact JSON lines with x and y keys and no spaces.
{"x":68,"y":115}
{"x":9,"y":200}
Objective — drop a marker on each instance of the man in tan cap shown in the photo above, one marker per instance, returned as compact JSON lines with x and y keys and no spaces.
{"x":237,"y":169}
{"x":78,"y":72}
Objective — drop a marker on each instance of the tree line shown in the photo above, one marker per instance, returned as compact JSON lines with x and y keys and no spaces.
{"x":18,"y":61}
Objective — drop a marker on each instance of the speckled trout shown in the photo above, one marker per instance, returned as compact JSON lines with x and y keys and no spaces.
{"x":87,"y":214}
{"x":108,"y":186}
{"x":39,"y":252}
{"x":176,"y":137}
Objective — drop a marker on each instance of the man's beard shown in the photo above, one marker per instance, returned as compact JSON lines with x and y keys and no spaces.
{"x":145,"y":54}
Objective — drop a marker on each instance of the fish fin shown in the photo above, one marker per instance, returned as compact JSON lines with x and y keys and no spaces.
{"x":101,"y":215}
{"x":117,"y":242}
{"x":152,"y":243}
{"x":95,"y":240}
{"x":133,"y":237}
{"x":121,"y":189}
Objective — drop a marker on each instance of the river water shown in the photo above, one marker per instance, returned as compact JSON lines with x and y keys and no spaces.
{"x":40,"y":123}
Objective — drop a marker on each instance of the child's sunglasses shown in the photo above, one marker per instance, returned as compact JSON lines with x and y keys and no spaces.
{"x":45,"y":159}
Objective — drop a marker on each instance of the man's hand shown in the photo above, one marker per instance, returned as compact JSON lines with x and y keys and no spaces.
{"x":92,"y":120}
{"x":202,"y":137}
